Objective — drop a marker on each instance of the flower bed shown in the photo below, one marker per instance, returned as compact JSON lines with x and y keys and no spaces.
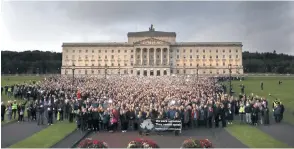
{"x":90,"y":143}
{"x":194,"y":143}
{"x":142,"y":143}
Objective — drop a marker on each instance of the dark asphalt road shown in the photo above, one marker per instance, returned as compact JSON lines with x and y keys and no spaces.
{"x":283,"y":132}
{"x":15,"y":132}
{"x":220,"y":138}
{"x":68,"y":141}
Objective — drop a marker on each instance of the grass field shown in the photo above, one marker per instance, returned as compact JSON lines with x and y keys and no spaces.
{"x":11,"y":80}
{"x":48,"y":136}
{"x":284,"y":92}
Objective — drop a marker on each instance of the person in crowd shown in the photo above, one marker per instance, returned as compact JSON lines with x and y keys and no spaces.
{"x":14,"y":109}
{"x":40,"y":110}
{"x":248,"y":111}
{"x":3,"y":109}
{"x":277,"y":113}
{"x":230,"y":117}
{"x":242,"y":113}
{"x":223,"y":115}
{"x":124,"y":121}
{"x":96,"y":120}
{"x":50,"y":114}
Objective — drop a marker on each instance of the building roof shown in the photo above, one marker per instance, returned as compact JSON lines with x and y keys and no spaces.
{"x":152,"y":33}
{"x":208,"y":44}
{"x":97,"y":44}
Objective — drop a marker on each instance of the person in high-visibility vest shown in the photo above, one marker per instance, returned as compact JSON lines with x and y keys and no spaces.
{"x":14,"y":109}
{"x":242,"y":113}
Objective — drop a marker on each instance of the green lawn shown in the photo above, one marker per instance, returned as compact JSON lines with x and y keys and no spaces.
{"x":10,"y":80}
{"x":252,"y":137}
{"x":285,"y":91}
{"x":47,"y":137}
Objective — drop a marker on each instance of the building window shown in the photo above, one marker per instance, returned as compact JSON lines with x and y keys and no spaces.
{"x":178,"y":71}
{"x":112,"y":56}
{"x":132,"y":64}
{"x":105,"y":56}
{"x":190,"y":50}
{"x":66,"y":57}
{"x":236,"y":51}
{"x":98,"y":71}
{"x":216,"y":64}
{"x":92,"y":71}
{"x":224,"y":56}
{"x":125,"y":64}
{"x":125,"y":51}
{"x":112,"y":51}
{"x":236,"y":56}
{"x":204,"y":72}
{"x":216,"y":56}
{"x":112,"y":64}
{"x":131,"y":71}
{"x":203,"y":64}
{"x":79,"y":71}
{"x":105,"y":51}
{"x":178,"y":50}
{"x":184,"y":51}
{"x":92,"y":64}
{"x":203,"y":50}
{"x":178,"y":56}
{"x":92,"y":51}
{"x":118,"y":64}
{"x":184,"y":71}
{"x":86,"y":64}
{"x":230,"y":56}
{"x":197,"y":50}
{"x":118,"y":51}
{"x":80,"y":51}
{"x":210,"y":57}
{"x":99,"y":51}
{"x":230,"y":50}
{"x":224,"y":51}
{"x":99,"y":64}
{"x":224,"y":71}
{"x":164,"y":56}
{"x":178,"y":64}
{"x":209,"y":51}
{"x":210,"y":65}
{"x":86,"y":51}
{"x":184,"y":57}
{"x":86,"y":56}
{"x":197,"y":56}
{"x":190,"y":56}
{"x":73,"y":51}
{"x":203,"y":56}
{"x":131,"y":51}
{"x":210,"y":72}
{"x":132,"y":56}
{"x":184,"y":64}
{"x":190,"y":64}
{"x":73,"y":57}
{"x":216,"y":50}
{"x":224,"y":64}
{"x":197,"y":65}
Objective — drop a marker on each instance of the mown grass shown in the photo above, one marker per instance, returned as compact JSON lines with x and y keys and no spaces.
{"x":47,"y":137}
{"x":284,"y":92}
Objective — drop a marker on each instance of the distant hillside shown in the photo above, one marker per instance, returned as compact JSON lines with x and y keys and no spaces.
{"x":50,"y":62}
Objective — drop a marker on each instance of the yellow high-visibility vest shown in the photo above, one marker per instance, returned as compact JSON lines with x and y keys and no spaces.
{"x":242,"y":110}
{"x":14,"y":106}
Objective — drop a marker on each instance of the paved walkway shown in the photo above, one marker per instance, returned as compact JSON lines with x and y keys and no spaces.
{"x":15,"y":132}
{"x":283,"y":132}
{"x":70,"y":140}
{"x":219,"y":136}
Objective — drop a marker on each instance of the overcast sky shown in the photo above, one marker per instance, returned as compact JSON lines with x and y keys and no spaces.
{"x":261,"y":26}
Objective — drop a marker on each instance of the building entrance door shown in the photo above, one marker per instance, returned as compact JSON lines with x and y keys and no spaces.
{"x":145,"y":72}
{"x":151,"y":73}
{"x":158,"y":73}
{"x":138,"y":73}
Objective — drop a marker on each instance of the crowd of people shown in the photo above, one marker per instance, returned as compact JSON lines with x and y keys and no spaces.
{"x":123,"y":102}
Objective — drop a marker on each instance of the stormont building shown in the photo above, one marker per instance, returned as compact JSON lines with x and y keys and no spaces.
{"x":152,"y":53}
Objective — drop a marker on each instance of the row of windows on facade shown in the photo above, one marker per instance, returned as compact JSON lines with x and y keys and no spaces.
{"x":164,"y":56}
{"x":138,"y":72}
{"x":178,"y":50}
{"x":184,"y":64}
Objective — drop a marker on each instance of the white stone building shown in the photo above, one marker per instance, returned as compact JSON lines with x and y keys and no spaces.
{"x":152,"y":53}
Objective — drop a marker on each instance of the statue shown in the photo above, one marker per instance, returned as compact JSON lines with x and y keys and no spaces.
{"x":151,"y":28}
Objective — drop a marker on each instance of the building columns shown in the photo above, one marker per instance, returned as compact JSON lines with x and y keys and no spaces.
{"x":141,"y":56}
{"x":148,"y":56}
{"x":154,"y":56}
{"x":168,"y":57}
{"x":161,"y":57}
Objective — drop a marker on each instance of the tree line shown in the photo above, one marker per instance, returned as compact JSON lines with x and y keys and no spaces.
{"x":34,"y":62}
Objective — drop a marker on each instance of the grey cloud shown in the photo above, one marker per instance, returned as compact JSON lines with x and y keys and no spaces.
{"x":262,"y":26}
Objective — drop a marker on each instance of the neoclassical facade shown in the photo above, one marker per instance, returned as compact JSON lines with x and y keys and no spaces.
{"x":152,"y":53}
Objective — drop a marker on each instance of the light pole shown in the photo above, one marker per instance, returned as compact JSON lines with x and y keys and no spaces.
{"x":230,"y":71}
{"x":73,"y":76}
{"x":197,"y":72}
{"x":105,"y":68}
